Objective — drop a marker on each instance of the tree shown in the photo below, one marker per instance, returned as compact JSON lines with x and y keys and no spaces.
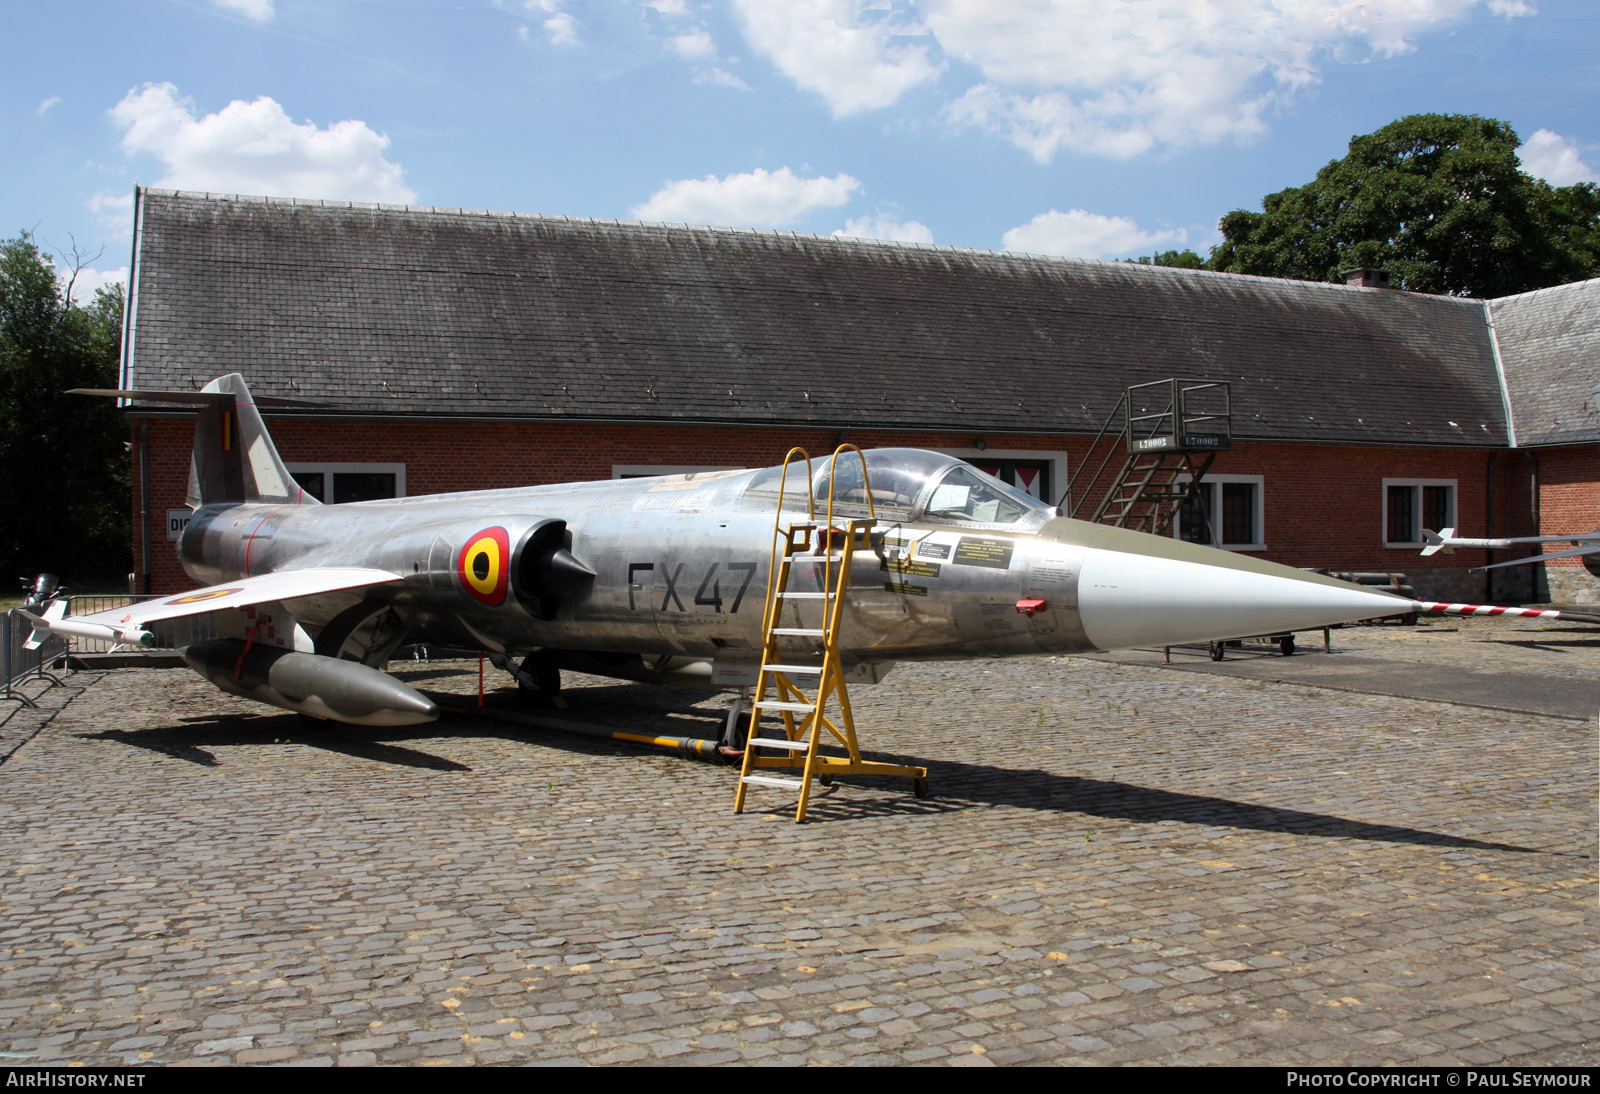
{"x":1438,"y":200}
{"x":1183,"y":260}
{"x":64,"y":475}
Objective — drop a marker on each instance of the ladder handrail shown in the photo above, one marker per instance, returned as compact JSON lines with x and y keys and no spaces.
{"x":767,"y":621}
{"x":830,"y":594}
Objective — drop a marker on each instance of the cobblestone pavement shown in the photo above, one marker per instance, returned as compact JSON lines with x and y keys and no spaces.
{"x":1560,"y":649}
{"x":1121,"y":865}
{"x":1516,"y":665}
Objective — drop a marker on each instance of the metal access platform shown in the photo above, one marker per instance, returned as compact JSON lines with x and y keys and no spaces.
{"x":1168,"y":433}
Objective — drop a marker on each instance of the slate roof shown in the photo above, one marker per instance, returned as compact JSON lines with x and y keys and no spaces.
{"x":412,"y":311}
{"x":1550,"y":340}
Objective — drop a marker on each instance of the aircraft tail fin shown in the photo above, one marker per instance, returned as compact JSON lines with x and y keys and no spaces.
{"x":53,"y":612}
{"x":1437,"y":541}
{"x":234,"y":458}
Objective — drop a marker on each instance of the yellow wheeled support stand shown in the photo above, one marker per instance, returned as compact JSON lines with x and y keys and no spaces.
{"x":807,"y":723}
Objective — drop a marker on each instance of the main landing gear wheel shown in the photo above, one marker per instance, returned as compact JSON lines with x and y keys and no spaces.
{"x":1286,"y":645}
{"x":1217,"y":650}
{"x":545,"y":677}
{"x":919,"y":787}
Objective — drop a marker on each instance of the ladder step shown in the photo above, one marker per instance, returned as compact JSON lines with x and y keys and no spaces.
{"x":772,"y":780}
{"x":777,"y":742}
{"x":798,"y":632}
{"x":786,"y":595}
{"x":794,"y":670}
{"x":792,"y":708}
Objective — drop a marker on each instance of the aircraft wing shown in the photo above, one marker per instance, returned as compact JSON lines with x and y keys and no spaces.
{"x":128,"y":623}
{"x":1447,"y":541}
{"x":1589,"y":548}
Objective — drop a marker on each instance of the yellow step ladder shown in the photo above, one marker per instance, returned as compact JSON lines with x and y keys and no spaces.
{"x":807,"y":724}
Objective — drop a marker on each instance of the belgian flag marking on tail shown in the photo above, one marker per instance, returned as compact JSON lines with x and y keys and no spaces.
{"x":483,"y":565}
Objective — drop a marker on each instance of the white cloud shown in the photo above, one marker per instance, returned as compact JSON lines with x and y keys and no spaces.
{"x":114,"y":211}
{"x":1109,"y":77}
{"x":253,"y":148}
{"x":257,"y":11}
{"x":1554,"y":158}
{"x":561,"y":29}
{"x":1118,"y":78}
{"x":46,"y":105}
{"x":855,"y":60}
{"x":90,"y":280}
{"x":694,"y":46}
{"x":721,"y":77}
{"x":666,"y":7}
{"x":1078,"y":233}
{"x":878,"y":226}
{"x":757,"y":199}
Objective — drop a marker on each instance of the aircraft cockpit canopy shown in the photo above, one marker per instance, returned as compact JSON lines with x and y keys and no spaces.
{"x":906,"y":484}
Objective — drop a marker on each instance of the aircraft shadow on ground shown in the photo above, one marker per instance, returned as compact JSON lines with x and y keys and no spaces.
{"x":1561,"y":645}
{"x":957,"y":786}
{"x":193,"y":741}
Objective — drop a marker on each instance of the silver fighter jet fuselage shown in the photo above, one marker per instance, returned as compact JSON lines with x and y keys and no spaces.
{"x":658,"y":575}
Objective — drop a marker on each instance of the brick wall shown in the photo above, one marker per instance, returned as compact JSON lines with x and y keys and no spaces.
{"x":1322,"y":504}
{"x":1569,"y":501}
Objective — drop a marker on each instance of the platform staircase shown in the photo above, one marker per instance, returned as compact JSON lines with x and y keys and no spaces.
{"x":1168,"y":434}
{"x":802,"y":689}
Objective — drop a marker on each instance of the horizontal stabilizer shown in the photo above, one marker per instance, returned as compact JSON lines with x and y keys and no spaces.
{"x":190,"y":398}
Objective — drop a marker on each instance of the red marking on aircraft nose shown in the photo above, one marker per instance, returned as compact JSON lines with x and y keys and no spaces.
{"x":1031,"y":605}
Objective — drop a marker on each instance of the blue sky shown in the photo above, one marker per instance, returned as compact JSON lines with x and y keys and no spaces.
{"x":1091,"y":128}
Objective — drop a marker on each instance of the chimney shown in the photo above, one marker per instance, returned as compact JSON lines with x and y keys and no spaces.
{"x":1366,"y":277}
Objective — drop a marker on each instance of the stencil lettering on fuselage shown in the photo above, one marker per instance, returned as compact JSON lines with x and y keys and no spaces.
{"x":677,"y":580}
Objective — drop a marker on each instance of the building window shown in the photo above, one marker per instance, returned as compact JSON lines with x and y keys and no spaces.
{"x":1234,"y":505}
{"x":1410,"y":505}
{"x":1035,"y":472}
{"x":333,"y":483}
{"x":652,"y":470}
{"x":1031,"y":477}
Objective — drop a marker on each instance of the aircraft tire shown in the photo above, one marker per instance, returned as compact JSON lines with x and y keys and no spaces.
{"x":543,"y":669}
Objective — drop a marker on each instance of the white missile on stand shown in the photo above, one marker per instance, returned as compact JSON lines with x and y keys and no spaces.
{"x":55,"y":621}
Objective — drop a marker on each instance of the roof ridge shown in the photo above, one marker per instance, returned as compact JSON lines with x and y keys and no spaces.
{"x":1141,"y":269}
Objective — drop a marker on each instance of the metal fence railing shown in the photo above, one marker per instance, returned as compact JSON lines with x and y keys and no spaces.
{"x":21,"y":665}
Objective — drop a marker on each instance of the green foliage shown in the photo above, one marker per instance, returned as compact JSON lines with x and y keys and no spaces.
{"x":64,"y":474}
{"x":1183,"y":260}
{"x":1438,"y":200}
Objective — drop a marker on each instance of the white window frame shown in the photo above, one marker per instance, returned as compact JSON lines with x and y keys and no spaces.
{"x":1258,"y":511}
{"x":398,"y":470}
{"x":647,"y":470}
{"x":1416,"y":486}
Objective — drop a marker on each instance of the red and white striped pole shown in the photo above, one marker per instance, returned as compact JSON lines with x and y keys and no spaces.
{"x":1482,"y":609}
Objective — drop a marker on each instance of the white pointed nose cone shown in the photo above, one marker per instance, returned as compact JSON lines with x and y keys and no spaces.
{"x":1138,"y":600}
{"x":1136,"y":589}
